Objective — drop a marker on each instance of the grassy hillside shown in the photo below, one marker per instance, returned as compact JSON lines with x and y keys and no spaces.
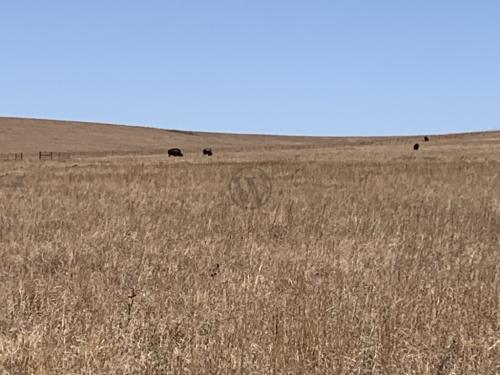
{"x":350,"y":257}
{"x":31,"y":135}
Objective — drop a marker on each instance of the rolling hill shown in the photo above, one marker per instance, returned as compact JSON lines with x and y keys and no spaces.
{"x":33,"y":135}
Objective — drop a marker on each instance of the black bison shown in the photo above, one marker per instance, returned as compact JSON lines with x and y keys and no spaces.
{"x":416,"y":146}
{"x":175,"y":152}
{"x":426,"y":139}
{"x":207,"y":151}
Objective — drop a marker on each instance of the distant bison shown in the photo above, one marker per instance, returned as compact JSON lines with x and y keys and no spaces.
{"x":426,"y":139}
{"x":175,"y":152}
{"x":416,"y":146}
{"x":207,"y":151}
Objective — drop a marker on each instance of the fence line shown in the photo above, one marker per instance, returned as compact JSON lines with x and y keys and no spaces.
{"x":120,"y":153}
{"x":45,"y":155}
{"x":63,"y":155}
{"x":12,"y":156}
{"x":50,"y":155}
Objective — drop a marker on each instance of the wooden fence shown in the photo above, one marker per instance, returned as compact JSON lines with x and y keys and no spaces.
{"x":61,"y":156}
{"x":12,"y":156}
{"x":42,"y":155}
{"x":45,"y":155}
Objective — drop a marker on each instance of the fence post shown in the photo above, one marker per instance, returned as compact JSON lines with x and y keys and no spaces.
{"x":45,"y":155}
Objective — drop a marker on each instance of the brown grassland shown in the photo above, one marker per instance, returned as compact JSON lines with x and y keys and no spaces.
{"x":366,"y":258}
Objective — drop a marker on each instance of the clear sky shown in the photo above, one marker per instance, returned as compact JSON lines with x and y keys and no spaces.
{"x":317,"y":67}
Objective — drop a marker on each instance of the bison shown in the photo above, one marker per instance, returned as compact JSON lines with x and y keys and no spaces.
{"x":175,"y":152}
{"x":207,"y":151}
{"x":426,"y":139}
{"x":416,"y":146}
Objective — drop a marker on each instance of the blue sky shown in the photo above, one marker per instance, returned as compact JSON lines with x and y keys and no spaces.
{"x":318,"y":67}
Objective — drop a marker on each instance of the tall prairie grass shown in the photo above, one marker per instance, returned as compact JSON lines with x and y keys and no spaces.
{"x":351,"y":267}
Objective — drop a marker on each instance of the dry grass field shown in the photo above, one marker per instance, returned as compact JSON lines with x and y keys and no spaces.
{"x":30,"y":135}
{"x":357,"y":257}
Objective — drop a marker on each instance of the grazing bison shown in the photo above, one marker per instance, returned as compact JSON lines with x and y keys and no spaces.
{"x":426,"y":139}
{"x":207,"y":151}
{"x":416,"y":146}
{"x":175,"y":152}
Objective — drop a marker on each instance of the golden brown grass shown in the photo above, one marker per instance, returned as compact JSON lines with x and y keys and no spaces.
{"x":32,"y":135}
{"x":365,"y":260}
